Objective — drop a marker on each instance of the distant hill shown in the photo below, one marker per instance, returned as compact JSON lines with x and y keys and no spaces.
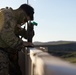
{"x":58,"y":45}
{"x":38,"y":43}
{"x":63,"y":49}
{"x":53,"y":42}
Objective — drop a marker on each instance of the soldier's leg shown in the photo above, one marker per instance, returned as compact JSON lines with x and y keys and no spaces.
{"x":15,"y":69}
{"x":14,"y":65}
{"x":3,"y":63}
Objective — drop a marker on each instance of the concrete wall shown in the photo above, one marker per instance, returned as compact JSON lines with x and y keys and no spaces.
{"x":45,"y":64}
{"x":42,"y":63}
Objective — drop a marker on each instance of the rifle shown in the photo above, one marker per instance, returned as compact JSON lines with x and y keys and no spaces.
{"x":30,"y":30}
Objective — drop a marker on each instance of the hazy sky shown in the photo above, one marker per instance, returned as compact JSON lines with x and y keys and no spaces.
{"x":56,"y":18}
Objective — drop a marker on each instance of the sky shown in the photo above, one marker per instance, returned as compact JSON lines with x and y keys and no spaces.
{"x":56,"y":18}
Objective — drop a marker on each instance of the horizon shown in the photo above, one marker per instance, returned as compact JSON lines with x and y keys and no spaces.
{"x":54,"y":41}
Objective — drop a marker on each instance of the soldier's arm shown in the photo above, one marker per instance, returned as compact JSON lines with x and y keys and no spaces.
{"x":8,"y":35}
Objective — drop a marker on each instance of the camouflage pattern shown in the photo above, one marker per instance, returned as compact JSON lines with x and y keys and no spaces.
{"x":4,"y":62}
{"x":10,"y":42}
{"x":7,"y":25}
{"x":20,"y":32}
{"x":26,"y":34}
{"x":14,"y":68}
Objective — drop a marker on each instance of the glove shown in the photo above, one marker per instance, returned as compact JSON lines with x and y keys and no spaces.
{"x":28,"y":44}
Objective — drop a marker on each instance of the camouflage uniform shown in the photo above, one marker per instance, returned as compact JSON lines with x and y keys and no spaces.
{"x":25,"y":34}
{"x":9,"y":42}
{"x":4,"y":63}
{"x":20,"y":32}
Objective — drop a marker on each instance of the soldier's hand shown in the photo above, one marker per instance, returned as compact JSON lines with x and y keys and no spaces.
{"x":28,"y":44}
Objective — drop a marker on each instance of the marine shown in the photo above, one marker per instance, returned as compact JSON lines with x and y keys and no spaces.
{"x":10,"y":43}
